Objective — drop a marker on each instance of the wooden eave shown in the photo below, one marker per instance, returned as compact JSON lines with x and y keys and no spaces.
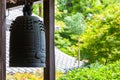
{"x":15,"y":3}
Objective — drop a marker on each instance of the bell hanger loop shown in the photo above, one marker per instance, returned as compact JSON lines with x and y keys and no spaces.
{"x":27,"y":9}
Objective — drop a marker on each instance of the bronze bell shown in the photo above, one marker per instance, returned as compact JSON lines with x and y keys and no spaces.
{"x":27,"y":41}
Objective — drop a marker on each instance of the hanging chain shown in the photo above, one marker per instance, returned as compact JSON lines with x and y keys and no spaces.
{"x":27,"y":9}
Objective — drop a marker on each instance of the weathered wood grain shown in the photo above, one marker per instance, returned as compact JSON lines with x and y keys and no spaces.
{"x":49,"y":71}
{"x":2,"y":40}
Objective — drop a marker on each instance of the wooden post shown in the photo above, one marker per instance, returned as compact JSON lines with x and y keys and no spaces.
{"x":2,"y":40}
{"x":49,"y":71}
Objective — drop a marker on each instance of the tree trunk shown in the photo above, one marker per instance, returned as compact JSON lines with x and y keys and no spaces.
{"x":79,"y":52}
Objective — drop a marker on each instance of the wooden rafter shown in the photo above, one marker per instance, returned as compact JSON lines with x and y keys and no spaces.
{"x":15,"y":3}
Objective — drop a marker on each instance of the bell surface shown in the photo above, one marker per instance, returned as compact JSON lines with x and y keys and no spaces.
{"x":27,"y":42}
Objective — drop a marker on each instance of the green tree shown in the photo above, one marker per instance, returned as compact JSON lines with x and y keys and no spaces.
{"x":68,"y":40}
{"x":75,"y":25}
{"x":86,"y":7}
{"x":101,"y":37}
{"x":101,"y":41}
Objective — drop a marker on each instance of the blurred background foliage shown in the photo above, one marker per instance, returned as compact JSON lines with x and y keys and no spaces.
{"x":99,"y":23}
{"x":95,"y":71}
{"x":36,"y":75}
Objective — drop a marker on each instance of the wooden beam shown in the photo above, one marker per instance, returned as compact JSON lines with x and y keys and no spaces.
{"x":2,"y":40}
{"x":49,"y":71}
{"x":19,"y":3}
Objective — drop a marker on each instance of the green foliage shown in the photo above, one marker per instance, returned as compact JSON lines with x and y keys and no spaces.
{"x":101,"y":41}
{"x":86,"y":7}
{"x":75,"y":24}
{"x":64,"y":44}
{"x":36,"y":9}
{"x":37,"y":75}
{"x":67,"y":39}
{"x":96,"y":71}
